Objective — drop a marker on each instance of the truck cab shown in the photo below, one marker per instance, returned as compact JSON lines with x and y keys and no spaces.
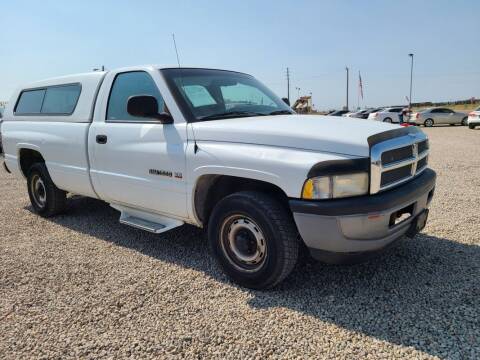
{"x":217,"y":149}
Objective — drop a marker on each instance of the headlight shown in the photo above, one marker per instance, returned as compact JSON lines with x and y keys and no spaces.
{"x":335,"y":186}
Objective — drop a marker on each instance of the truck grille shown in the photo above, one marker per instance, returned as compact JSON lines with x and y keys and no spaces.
{"x":397,"y":160}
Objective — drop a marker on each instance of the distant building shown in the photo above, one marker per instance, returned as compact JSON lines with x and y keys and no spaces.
{"x":303,"y":105}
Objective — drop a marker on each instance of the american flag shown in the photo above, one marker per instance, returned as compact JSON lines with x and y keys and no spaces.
{"x":360,"y":85}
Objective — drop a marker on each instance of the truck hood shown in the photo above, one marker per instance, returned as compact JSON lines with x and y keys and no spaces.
{"x":333,"y":134}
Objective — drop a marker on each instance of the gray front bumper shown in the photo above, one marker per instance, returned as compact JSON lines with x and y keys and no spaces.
{"x":363,"y":224}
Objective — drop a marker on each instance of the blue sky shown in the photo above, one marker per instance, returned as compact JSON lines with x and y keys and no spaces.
{"x":315,"y":39}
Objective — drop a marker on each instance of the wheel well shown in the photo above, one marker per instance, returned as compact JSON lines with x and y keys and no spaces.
{"x":28,"y":157}
{"x":210,"y":189}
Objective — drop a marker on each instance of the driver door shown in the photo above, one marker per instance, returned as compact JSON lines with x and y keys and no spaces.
{"x":138,"y":162}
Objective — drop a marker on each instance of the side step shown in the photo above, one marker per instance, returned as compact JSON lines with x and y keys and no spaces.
{"x":146,"y":221}
{"x":142,"y":224}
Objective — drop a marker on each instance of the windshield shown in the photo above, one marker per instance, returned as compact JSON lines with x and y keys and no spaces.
{"x":205,"y":94}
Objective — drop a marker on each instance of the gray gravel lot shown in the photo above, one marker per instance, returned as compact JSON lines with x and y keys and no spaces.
{"x":83,"y":285}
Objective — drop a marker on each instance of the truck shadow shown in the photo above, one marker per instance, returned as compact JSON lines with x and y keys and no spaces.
{"x":425,"y":293}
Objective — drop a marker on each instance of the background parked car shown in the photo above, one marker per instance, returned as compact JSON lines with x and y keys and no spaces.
{"x":435,"y":116}
{"x":474,"y":118}
{"x":356,"y":114}
{"x":389,"y":115}
{"x":367,"y":112}
{"x":339,"y":113}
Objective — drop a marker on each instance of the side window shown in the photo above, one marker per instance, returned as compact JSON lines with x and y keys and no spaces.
{"x":436,"y":111}
{"x":61,"y":99}
{"x":396,"y":110}
{"x":126,"y":85}
{"x":53,"y":100}
{"x":30,"y":102}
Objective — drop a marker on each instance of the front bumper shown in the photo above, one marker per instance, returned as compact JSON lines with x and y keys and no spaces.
{"x":342,"y":230}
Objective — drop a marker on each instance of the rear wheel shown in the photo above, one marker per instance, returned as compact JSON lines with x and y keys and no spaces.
{"x":254,"y":239}
{"x":465,"y":121}
{"x":428,"y":123}
{"x":387,"y":120}
{"x":47,"y":200}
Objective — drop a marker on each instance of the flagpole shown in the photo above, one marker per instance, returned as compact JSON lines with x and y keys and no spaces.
{"x":358,"y":91}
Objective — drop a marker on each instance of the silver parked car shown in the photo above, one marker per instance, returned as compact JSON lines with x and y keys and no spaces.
{"x":436,"y":116}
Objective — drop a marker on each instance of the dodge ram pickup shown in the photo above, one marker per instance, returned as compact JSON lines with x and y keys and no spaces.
{"x":217,"y":149}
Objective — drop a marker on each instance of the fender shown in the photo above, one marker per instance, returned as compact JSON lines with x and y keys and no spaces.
{"x":285,"y":168}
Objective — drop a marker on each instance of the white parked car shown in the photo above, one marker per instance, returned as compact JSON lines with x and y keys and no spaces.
{"x":438,"y":116}
{"x":474,"y":118}
{"x":388,"y":115}
{"x":217,"y":149}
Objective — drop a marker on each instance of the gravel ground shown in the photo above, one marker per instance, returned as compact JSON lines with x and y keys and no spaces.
{"x":82,"y":285}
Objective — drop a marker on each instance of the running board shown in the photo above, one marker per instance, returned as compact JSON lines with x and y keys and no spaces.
{"x":153,"y":223}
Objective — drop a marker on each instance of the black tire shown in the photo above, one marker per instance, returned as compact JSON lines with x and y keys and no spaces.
{"x":465,"y":121}
{"x":47,"y":200}
{"x":471,"y":126}
{"x":270,"y":221}
{"x":428,"y":123}
{"x":387,"y":120}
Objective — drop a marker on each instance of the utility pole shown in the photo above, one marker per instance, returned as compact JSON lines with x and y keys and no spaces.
{"x":288,"y":84}
{"x":346,"y":68}
{"x":411,"y":80}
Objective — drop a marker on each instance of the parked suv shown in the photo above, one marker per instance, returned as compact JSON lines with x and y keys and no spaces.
{"x":388,"y":115}
{"x":219,"y":150}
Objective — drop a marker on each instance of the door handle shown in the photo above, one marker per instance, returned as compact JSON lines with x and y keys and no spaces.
{"x":101,"y":139}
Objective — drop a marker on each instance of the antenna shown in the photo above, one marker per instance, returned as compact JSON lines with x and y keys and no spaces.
{"x":176,"y":51}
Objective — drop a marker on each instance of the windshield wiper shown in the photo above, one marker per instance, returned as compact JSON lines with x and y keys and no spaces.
{"x":230,"y":114}
{"x":281,"y":112}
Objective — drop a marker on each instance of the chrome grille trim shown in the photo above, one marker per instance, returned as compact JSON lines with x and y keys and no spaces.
{"x":377,"y":167}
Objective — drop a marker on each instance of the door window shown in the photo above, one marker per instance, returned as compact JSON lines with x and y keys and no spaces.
{"x":126,"y":85}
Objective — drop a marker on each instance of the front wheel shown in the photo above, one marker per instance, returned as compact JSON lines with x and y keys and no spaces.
{"x":47,"y":200}
{"x":428,"y":123}
{"x":471,"y":126}
{"x":387,"y":120}
{"x":254,"y":239}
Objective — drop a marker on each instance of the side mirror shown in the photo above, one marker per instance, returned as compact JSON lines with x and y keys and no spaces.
{"x":147,"y":106}
{"x":286,"y":101}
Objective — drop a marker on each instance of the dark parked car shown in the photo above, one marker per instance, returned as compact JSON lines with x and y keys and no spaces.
{"x":369,"y":111}
{"x":338,"y":113}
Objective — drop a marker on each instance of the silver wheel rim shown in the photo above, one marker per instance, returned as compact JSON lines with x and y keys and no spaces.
{"x":387,"y":120}
{"x":428,"y":123}
{"x":39,"y":191}
{"x":243,"y":243}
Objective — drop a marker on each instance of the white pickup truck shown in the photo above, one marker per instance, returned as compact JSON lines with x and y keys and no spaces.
{"x":217,"y":149}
